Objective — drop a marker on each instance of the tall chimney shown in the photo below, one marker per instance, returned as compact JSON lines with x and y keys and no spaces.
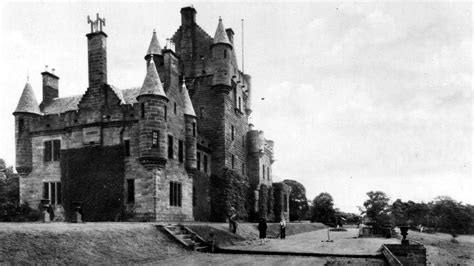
{"x":230,"y":34}
{"x":50,"y":87}
{"x":97,"y":53}
{"x":188,"y":16}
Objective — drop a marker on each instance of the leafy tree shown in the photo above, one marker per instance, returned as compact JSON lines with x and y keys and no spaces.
{"x":376,"y":208}
{"x":450,"y":215}
{"x":299,"y":208}
{"x":323,"y":209}
{"x":9,"y":184}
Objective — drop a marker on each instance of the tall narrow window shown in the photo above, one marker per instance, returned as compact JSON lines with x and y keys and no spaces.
{"x":56,"y":149}
{"x":263,"y":174}
{"x":174,"y":108}
{"x":194,"y":129}
{"x":21,"y":125}
{"x":180,"y":151}
{"x":233,"y":161}
{"x":232,"y":133}
{"x":243,"y":169}
{"x":201,"y":112}
{"x":170,"y":147}
{"x":52,"y":191}
{"x":130,"y":190}
{"x":154,"y":139}
{"x":127,"y":147}
{"x":52,"y":150}
{"x":198,"y":163}
{"x":243,"y":140}
{"x":142,"y":110}
{"x":205,"y":163}
{"x":225,"y":53}
{"x":175,"y":194}
{"x":166,"y":112}
{"x":48,"y":151}
{"x":268,"y":173}
{"x":240,"y":103}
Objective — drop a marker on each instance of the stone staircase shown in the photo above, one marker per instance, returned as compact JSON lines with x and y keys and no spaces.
{"x":186,"y":237}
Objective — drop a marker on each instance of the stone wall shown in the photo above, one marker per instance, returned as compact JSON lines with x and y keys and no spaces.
{"x":413,"y":254}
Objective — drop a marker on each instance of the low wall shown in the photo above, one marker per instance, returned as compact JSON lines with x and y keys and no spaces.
{"x":398,"y":254}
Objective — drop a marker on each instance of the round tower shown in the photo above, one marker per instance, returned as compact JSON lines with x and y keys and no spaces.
{"x":152,"y":125}
{"x":221,"y":50}
{"x":190,"y":130}
{"x":25,"y":113}
{"x":155,"y":52}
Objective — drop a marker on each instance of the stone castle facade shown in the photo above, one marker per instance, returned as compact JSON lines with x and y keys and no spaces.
{"x":149,"y":152}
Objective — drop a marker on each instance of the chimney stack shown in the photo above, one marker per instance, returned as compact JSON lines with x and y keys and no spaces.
{"x":50,"y":86}
{"x":230,"y":34}
{"x":188,"y":16}
{"x":97,"y":53}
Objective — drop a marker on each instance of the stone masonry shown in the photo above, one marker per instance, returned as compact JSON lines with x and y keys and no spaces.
{"x":187,"y":121}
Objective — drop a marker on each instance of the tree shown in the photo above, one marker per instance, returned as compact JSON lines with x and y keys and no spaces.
{"x":450,"y":215}
{"x":298,"y":203}
{"x":9,"y":184}
{"x":323,"y":209}
{"x":376,"y":208}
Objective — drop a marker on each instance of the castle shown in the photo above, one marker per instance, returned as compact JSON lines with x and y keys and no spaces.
{"x":155,"y":152}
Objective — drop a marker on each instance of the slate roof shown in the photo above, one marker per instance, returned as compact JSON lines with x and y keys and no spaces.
{"x":62,"y":105}
{"x":221,"y":34}
{"x":188,"y":105}
{"x":152,"y":83}
{"x":154,"y":47}
{"x":28,"y":102}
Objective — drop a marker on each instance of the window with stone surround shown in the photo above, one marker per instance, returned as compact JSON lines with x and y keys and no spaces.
{"x":198,"y":163}
{"x":232,"y":132}
{"x":263,"y":169}
{"x":175,"y":194}
{"x":205,"y":163}
{"x":126,"y":144}
{"x":52,"y":191}
{"x":52,"y":149}
{"x":21,"y":125}
{"x":180,"y":151}
{"x":130,"y":190}
{"x":170,"y":147}
{"x":154,"y":139}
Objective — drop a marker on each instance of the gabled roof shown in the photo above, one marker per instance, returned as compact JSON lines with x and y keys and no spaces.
{"x":28,"y":102}
{"x":62,"y":105}
{"x":152,"y":83}
{"x":221,"y":34}
{"x":188,"y":105}
{"x":154,"y":48}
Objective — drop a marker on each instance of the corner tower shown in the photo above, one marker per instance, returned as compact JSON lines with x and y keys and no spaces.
{"x":152,"y":123}
{"x":26,"y":112}
{"x":221,"y":50}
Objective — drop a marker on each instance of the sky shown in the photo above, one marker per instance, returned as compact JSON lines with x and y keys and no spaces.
{"x":358,"y":96}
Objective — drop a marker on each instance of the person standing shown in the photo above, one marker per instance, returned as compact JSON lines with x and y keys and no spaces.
{"x":282,"y":228}
{"x":262,"y":229}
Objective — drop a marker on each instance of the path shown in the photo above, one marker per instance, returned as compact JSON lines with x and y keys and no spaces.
{"x":345,"y":243}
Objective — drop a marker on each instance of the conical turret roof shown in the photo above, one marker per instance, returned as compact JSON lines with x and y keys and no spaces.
{"x":188,"y":105}
{"x":28,"y":102}
{"x":152,"y":83}
{"x":221,"y":34}
{"x":154,"y":47}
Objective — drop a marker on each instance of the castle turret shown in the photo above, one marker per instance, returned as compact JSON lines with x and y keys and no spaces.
{"x":222,"y":56}
{"x":191,"y":130}
{"x":152,"y":123}
{"x":155,"y":51}
{"x":25,"y":113}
